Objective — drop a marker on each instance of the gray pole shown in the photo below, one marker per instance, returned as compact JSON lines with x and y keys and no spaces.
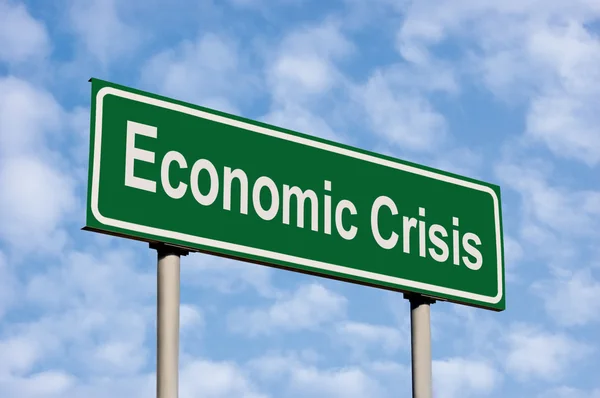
{"x":420,"y":333}
{"x":167,"y":311}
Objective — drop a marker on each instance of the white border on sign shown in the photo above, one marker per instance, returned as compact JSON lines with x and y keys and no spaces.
{"x":270,"y":254}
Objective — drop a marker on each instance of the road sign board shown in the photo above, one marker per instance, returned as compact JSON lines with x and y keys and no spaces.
{"x":163,"y":170}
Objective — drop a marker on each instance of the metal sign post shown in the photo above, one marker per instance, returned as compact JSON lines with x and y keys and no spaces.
{"x":420,"y":336}
{"x":167,"y":336}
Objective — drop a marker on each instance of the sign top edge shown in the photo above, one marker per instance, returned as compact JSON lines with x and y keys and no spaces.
{"x":98,"y":84}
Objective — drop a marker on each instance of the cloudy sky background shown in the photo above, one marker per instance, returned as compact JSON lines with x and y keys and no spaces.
{"x":508,"y":92}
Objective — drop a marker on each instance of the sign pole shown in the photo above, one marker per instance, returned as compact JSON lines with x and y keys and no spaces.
{"x":420,"y":336}
{"x":167,"y":336}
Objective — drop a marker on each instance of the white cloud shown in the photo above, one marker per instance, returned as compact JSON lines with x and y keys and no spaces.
{"x":199,"y":377}
{"x":20,"y":354}
{"x":430,"y":22}
{"x":305,"y":63}
{"x":534,"y":353}
{"x":29,"y":117}
{"x":391,"y":369}
{"x":276,"y":366}
{"x":50,"y":383}
{"x":324,"y":39}
{"x":569,"y":392}
{"x":554,"y":249}
{"x":336,"y":383}
{"x":404,"y":119}
{"x":89,"y":278}
{"x":207,"y":71}
{"x":120,"y":355}
{"x":216,"y":380}
{"x":513,"y":254}
{"x":46,"y":384}
{"x":452,"y":159}
{"x":460,"y":160}
{"x":78,"y":124}
{"x":273,"y":366}
{"x":301,"y":378}
{"x":192,"y":331}
{"x":36,"y":193}
{"x":310,"y":307}
{"x":298,"y":118}
{"x":548,"y":58}
{"x":310,"y":72}
{"x":96,"y":313}
{"x":564,"y":115}
{"x":481,"y":331}
{"x":226,"y":276}
{"x":263,"y":5}
{"x":191,"y":317}
{"x":360,"y":336}
{"x":99,"y":387}
{"x":557,"y":224}
{"x":304,"y":81}
{"x":97,"y":341}
{"x":9,"y":286}
{"x":34,"y":199}
{"x":564,"y":209}
{"x":105,"y":35}
{"x":567,"y":124}
{"x":460,"y":377}
{"x":572,"y":297}
{"x":23,"y":37}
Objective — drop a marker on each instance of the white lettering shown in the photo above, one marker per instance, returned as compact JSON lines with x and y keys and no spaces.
{"x":339,"y":224}
{"x":243,"y":179}
{"x":172,"y":156}
{"x":422,"y":231}
{"x":327,"y":209}
{"x":258,"y":186}
{"x":300,"y":198}
{"x":132,"y":154}
{"x":390,"y":242}
{"x":472,"y":251}
{"x":455,"y":243}
{"x":439,"y":243}
{"x":408,"y":224}
{"x":211,"y":196}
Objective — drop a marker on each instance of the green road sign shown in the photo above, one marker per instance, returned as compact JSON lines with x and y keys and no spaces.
{"x":163,"y":170}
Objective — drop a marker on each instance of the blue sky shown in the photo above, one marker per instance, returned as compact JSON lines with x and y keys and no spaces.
{"x":507,"y":92}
